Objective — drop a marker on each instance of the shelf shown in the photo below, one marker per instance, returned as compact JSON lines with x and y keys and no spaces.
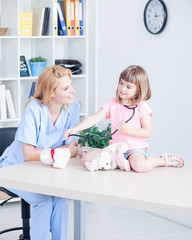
{"x":9,"y":37}
{"x":9,"y":120}
{"x":35,"y":37}
{"x":50,"y":47}
{"x":69,"y":37}
{"x":8,"y":78}
{"x":79,"y":76}
{"x":28,"y":78}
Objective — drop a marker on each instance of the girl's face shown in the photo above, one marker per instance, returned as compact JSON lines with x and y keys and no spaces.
{"x":64,"y":93}
{"x":126,"y":91}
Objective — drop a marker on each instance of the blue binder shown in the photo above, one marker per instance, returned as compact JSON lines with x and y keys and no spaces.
{"x":81,"y":16}
{"x":62,"y":30}
{"x":32,"y":91}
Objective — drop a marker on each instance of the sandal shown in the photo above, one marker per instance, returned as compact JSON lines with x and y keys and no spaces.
{"x":83,"y":150}
{"x":173,"y":160}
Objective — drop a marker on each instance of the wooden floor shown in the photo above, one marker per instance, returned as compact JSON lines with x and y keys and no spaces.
{"x":112,"y":223}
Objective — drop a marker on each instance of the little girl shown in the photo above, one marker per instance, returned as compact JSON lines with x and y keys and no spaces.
{"x":133,"y":91}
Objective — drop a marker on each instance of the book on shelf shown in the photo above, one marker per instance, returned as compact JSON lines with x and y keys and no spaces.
{"x":24,"y":68}
{"x":38,"y":17}
{"x":81,"y":17}
{"x":72,"y":17}
{"x":32,"y":91}
{"x":45,"y":22}
{"x":62,"y":30}
{"x":55,"y":18}
{"x":66,"y":5}
{"x":77,"y":27}
{"x":3,"y":109}
{"x":9,"y":104}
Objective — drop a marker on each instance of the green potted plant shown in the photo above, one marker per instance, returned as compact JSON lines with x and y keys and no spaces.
{"x":37,"y":65}
{"x":95,"y":132}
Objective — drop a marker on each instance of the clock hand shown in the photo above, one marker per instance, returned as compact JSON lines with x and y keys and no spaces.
{"x":160,"y":15}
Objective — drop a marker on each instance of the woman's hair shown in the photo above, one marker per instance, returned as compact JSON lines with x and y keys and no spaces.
{"x":47,"y":82}
{"x":138,"y":76}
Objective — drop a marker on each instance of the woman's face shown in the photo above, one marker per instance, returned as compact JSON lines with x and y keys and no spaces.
{"x":126,"y":90}
{"x":64,"y":93}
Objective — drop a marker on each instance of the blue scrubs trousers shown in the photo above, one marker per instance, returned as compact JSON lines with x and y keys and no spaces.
{"x":48,"y":214}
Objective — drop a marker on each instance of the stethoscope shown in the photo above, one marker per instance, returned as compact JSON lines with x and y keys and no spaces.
{"x":95,"y":138}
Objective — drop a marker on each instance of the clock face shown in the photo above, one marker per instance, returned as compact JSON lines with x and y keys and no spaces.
{"x":155,"y":16}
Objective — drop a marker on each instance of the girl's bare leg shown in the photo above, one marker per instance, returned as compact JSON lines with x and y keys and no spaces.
{"x":140,"y":163}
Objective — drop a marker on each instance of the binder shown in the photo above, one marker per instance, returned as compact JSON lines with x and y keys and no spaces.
{"x":55,"y":19}
{"x":73,"y":17}
{"x":10,"y":107}
{"x":81,"y":16}
{"x":67,"y":9}
{"x":77,"y":32}
{"x":62,"y":30}
{"x":32,"y":91}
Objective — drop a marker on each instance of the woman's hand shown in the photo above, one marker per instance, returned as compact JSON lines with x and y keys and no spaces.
{"x":73,"y":148}
{"x":69,"y":132}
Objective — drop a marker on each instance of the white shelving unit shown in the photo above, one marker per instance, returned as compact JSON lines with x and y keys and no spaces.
{"x":50,"y":47}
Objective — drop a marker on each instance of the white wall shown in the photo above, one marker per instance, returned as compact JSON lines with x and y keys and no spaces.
{"x":122,"y":40}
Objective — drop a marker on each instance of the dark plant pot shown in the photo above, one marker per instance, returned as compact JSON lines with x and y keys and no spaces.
{"x":37,"y":67}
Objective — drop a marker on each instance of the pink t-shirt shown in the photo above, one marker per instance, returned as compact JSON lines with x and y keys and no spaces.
{"x":117,"y":112}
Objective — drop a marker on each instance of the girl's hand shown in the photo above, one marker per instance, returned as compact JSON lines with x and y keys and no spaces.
{"x":69,"y":132}
{"x":73,"y":148}
{"x":122,"y":127}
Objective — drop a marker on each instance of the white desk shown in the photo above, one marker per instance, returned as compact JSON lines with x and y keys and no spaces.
{"x":164,"y":190}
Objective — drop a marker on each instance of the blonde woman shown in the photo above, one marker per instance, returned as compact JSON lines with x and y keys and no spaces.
{"x":46,"y":117}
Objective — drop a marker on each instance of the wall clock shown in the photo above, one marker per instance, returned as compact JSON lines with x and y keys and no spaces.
{"x":155,"y":16}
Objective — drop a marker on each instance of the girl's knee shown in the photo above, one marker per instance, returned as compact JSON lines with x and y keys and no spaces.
{"x":138,"y":168}
{"x":137,"y":162}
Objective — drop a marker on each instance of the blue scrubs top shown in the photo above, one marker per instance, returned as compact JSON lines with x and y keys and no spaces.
{"x":37,"y":129}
